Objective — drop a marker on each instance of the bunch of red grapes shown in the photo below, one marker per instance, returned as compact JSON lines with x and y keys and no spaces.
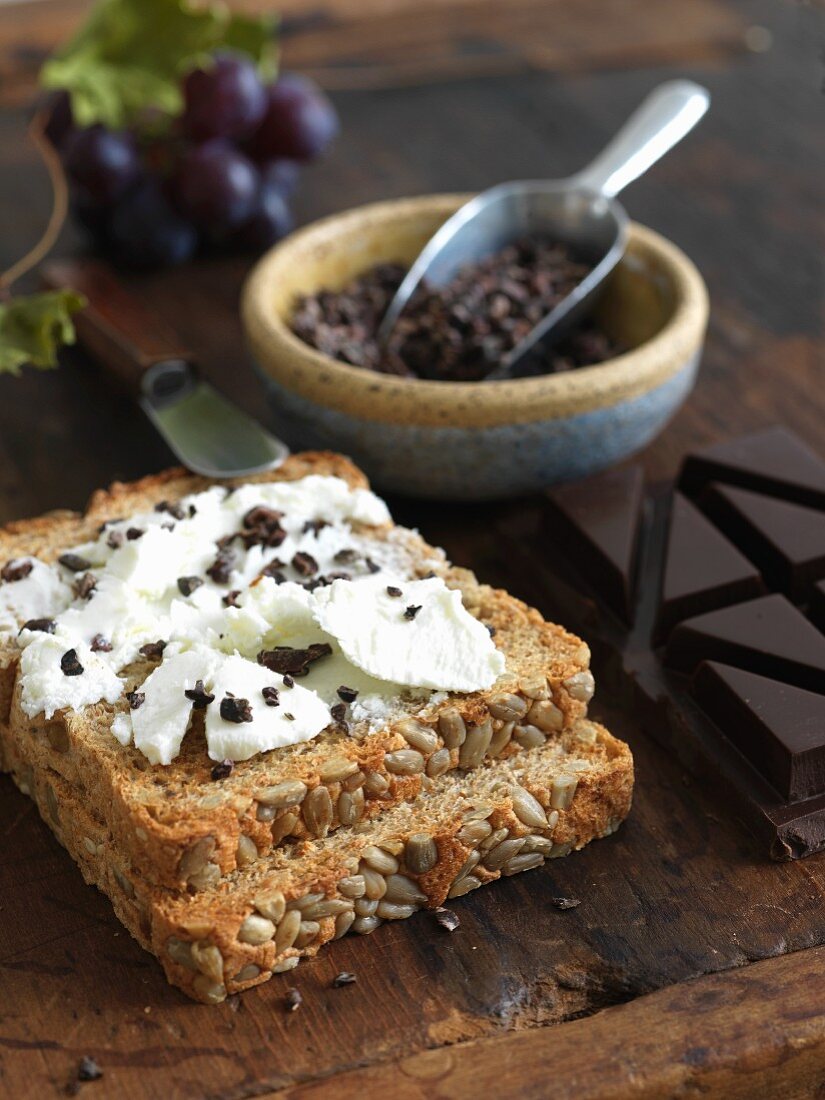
{"x":221,"y":179}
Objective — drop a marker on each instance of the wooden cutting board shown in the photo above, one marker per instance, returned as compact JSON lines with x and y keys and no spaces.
{"x":691,"y":966}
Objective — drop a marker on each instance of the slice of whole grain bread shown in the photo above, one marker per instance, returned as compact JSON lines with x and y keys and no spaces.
{"x":177,"y":828}
{"x":463,"y":830}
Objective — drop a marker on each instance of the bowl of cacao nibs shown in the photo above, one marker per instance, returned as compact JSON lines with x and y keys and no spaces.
{"x":421,"y":416}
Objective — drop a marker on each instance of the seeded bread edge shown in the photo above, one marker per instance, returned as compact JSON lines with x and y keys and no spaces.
{"x":218,"y":942}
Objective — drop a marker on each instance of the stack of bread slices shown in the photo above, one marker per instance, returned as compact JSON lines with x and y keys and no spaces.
{"x":229,"y":874}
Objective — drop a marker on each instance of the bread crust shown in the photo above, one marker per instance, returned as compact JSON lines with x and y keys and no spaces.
{"x":224,"y":941}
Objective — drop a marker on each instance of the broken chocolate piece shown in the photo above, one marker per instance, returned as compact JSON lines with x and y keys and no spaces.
{"x":199,"y":696}
{"x":73,"y":562}
{"x":293,"y":662}
{"x":767,"y":636}
{"x":772,"y":461}
{"x":786,"y":541}
{"x":596,"y":523}
{"x":779,"y":728}
{"x":235,"y":710}
{"x":187,"y":585}
{"x":702,"y":570}
{"x":70,"y":665}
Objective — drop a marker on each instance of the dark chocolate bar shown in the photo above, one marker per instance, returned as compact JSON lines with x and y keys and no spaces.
{"x":702,"y":570}
{"x":779,"y":728}
{"x":598,"y":522}
{"x":718,"y":576}
{"x":787,"y":541}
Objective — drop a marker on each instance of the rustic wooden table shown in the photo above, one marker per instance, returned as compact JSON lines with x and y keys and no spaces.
{"x":692,"y":964}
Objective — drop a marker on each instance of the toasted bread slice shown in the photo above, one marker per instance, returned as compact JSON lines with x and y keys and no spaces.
{"x":178,"y":828}
{"x":463,"y":830}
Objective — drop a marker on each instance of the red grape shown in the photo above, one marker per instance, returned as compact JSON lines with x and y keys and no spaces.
{"x":270,"y":221}
{"x":215,"y":186}
{"x":101,"y":164}
{"x":225,"y":100}
{"x":146,"y":231}
{"x":282,"y":174}
{"x":299,"y":122}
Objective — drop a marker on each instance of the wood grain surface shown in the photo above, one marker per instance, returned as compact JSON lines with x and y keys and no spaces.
{"x":673,"y":976}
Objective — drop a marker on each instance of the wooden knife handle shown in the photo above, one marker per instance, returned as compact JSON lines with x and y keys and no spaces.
{"x":115,"y":327}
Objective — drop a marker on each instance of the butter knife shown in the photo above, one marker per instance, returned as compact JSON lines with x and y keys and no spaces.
{"x":208,"y":433}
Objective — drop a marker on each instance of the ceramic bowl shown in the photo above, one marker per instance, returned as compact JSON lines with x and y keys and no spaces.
{"x":472,"y":440}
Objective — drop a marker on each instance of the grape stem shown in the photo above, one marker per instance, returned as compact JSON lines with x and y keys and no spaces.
{"x":60,"y":202}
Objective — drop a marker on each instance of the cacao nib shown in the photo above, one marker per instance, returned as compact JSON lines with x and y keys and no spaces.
{"x":153,"y":651}
{"x":271,"y":696}
{"x":187,"y":585}
{"x":135,"y":699}
{"x":199,"y":696}
{"x":304,"y":564}
{"x":70,"y":665}
{"x":73,"y":562}
{"x":235,"y":710}
{"x":45,"y":626}
{"x":348,"y":694}
{"x":294,"y":662}
{"x":223,"y":770}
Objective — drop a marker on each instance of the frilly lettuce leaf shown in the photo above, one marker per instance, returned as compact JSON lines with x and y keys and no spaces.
{"x":32,"y":328}
{"x":130,"y":55}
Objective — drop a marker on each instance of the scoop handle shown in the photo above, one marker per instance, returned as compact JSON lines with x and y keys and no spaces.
{"x":661,"y":120}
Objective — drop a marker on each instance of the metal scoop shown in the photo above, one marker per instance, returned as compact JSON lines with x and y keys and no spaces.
{"x":580,"y":212}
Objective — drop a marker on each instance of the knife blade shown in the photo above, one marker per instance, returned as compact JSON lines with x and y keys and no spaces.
{"x":207,"y":432}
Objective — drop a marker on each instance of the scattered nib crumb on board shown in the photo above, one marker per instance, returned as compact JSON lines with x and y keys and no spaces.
{"x":565,"y":903}
{"x":346,"y":977}
{"x":293,"y":1000}
{"x":447,"y":918}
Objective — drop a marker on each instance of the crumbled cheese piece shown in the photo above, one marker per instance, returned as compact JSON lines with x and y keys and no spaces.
{"x":425,"y":638}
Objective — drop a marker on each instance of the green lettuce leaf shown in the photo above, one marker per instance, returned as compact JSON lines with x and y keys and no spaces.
{"x":129,"y":56}
{"x":32,"y":328}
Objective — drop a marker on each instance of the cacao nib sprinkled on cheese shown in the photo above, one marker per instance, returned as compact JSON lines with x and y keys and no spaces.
{"x":135,"y":699}
{"x":45,"y":626}
{"x":199,"y":696}
{"x":223,"y":770}
{"x":235,"y":710}
{"x":153,"y":651}
{"x":231,"y":598}
{"x":338,"y":711}
{"x":174,"y":509}
{"x":73,"y":562}
{"x":115,"y":540}
{"x":99,"y":644}
{"x":345,"y":556}
{"x":289,"y":717}
{"x":288,"y":681}
{"x":134,"y":533}
{"x":187,"y":585}
{"x":348,"y":694}
{"x":346,"y":977}
{"x":262,"y":527}
{"x":271,"y":696}
{"x":295,"y":662}
{"x":167,"y":527}
{"x":372,"y":566}
{"x":273,"y":569}
{"x":411,"y":611}
{"x":393,"y":591}
{"x":192,"y":511}
{"x":70,"y":665}
{"x":304,"y":564}
{"x":314,"y":525}
{"x":84,"y":588}
{"x":221,"y":567}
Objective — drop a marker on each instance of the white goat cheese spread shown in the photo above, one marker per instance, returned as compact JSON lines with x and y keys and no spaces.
{"x":258,"y":604}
